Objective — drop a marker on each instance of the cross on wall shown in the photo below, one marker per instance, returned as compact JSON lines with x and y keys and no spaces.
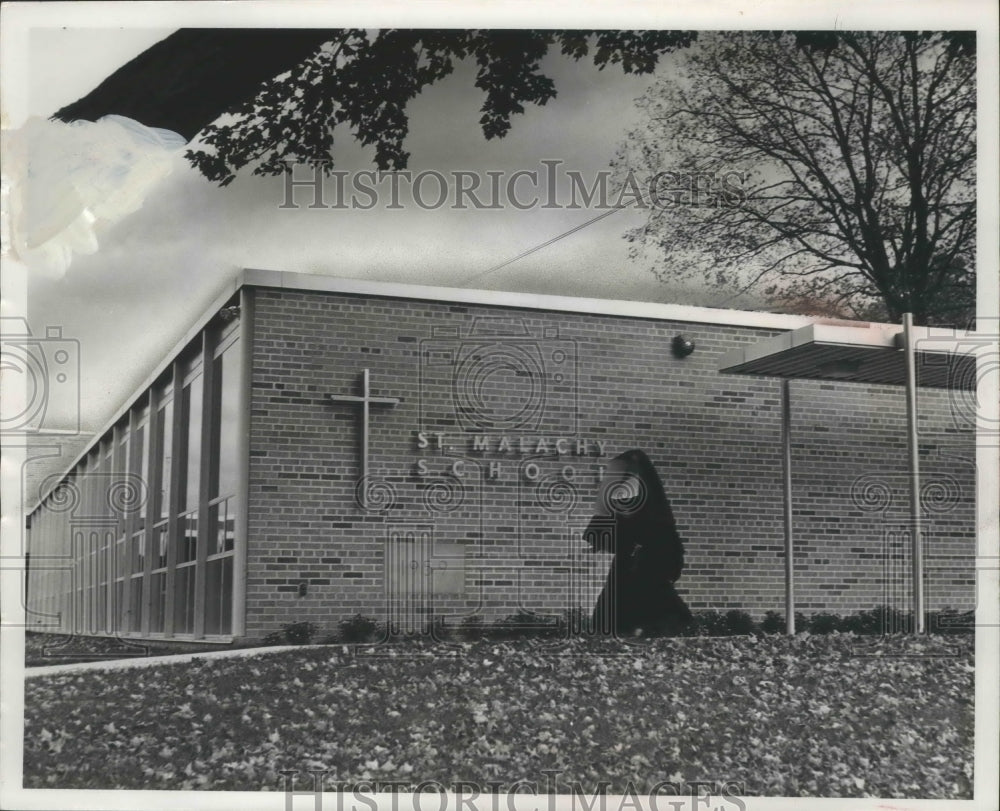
{"x":366,"y":401}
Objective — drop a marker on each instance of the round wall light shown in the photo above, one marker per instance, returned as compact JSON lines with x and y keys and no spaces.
{"x":682,"y":347}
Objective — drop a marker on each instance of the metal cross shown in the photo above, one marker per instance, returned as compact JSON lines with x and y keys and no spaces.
{"x":366,"y":401}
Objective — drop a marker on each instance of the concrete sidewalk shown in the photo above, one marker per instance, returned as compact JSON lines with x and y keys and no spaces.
{"x":152,"y":661}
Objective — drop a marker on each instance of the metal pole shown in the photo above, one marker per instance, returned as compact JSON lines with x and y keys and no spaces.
{"x":786,"y":441}
{"x":917,"y":553}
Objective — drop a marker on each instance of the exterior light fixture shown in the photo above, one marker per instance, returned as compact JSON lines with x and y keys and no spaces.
{"x":681,"y":346}
{"x":227,"y":314}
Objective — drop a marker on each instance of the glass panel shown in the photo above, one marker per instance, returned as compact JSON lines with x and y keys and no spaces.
{"x":192,"y":413}
{"x":120,"y":612}
{"x":95,"y":557}
{"x":140,"y":474}
{"x":165,"y":433}
{"x":120,"y":472}
{"x":135,"y":605}
{"x":80,"y":557}
{"x":158,"y":606}
{"x":99,"y":493}
{"x":226,"y":530}
{"x":227,"y":415}
{"x":222,"y":533}
{"x":92,"y":575}
{"x":87,"y":488}
{"x":109,"y":478}
{"x":102,"y":608}
{"x":187,"y":543}
{"x":219,"y":596}
{"x":184,"y":600}
{"x":216,"y":514}
{"x":82,"y":570}
{"x":78,"y":611}
{"x":138,"y":554}
{"x":160,"y":559}
{"x":120,"y":558}
{"x":92,"y":625}
{"x":107,"y":557}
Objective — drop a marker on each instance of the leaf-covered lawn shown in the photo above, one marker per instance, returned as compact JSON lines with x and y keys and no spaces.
{"x":784,"y":716}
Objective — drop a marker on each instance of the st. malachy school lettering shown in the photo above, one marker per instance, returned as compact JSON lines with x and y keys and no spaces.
{"x":540,"y":448}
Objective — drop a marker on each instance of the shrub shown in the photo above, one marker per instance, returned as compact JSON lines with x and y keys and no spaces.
{"x":358,"y":628}
{"x":738,"y":623}
{"x":274,"y":638}
{"x":524,"y":624}
{"x":437,"y":629}
{"x":712,"y":623}
{"x":824,"y":623}
{"x":471,"y":627}
{"x":300,"y":633}
{"x":706,"y":623}
{"x":295,"y":633}
{"x":773,"y":623}
{"x":864,"y":622}
{"x":880,"y":620}
{"x":871,"y":622}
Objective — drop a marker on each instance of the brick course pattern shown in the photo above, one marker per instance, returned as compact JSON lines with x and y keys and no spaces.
{"x":505,"y":534}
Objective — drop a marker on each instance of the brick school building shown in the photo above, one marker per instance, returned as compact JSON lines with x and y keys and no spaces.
{"x":317,"y":448}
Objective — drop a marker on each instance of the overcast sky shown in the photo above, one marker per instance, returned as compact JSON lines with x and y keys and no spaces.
{"x":158,"y":268}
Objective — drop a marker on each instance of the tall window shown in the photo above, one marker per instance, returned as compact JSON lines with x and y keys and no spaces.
{"x":94,"y":501}
{"x":163,"y":563}
{"x":81,"y":547}
{"x":96,"y":540}
{"x":139,"y":471}
{"x":108,"y":534}
{"x":222,"y":490}
{"x":160,"y":512}
{"x":186,"y":542}
{"x":120,"y":556}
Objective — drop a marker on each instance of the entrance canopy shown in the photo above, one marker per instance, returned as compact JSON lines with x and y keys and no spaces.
{"x":864,"y":353}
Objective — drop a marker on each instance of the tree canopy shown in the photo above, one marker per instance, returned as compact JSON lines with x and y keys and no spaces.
{"x":365,"y":80}
{"x":266,"y":98}
{"x":833,"y":170}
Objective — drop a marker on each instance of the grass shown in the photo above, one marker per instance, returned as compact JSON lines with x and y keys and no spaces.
{"x":799,"y":716}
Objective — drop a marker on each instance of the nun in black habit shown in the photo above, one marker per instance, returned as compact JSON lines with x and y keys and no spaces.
{"x":634,"y":522}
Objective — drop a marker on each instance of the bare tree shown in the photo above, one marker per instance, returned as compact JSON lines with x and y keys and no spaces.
{"x":837,"y":169}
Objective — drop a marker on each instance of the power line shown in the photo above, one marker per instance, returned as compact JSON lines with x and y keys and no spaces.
{"x":545,"y":244}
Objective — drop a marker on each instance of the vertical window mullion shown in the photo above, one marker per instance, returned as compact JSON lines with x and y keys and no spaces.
{"x":177,"y":437}
{"x":204,"y":483}
{"x":152,"y":476}
{"x":109,"y":624}
{"x":119,"y":473}
{"x":78,"y":547}
{"x":134,"y":457}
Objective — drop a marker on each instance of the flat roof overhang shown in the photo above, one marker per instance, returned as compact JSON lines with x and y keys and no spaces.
{"x":870,"y":353}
